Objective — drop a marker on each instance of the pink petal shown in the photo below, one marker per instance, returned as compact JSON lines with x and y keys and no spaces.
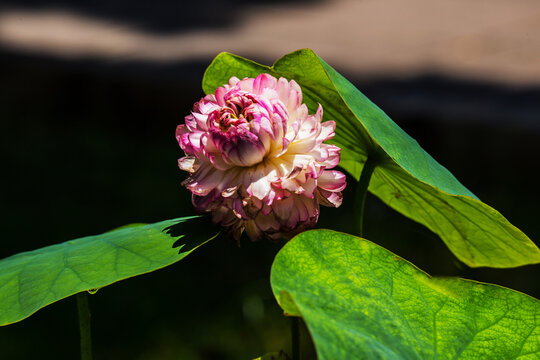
{"x":220,"y":93}
{"x":328,"y":130}
{"x":266,"y":223}
{"x":330,"y":199}
{"x":246,"y":85}
{"x":295,"y":96}
{"x":233,"y":81}
{"x":252,"y":230}
{"x":332,"y":180}
{"x":259,"y":188}
{"x":283,"y":208}
{"x":204,"y":180}
{"x":188,"y":163}
{"x":264,"y":81}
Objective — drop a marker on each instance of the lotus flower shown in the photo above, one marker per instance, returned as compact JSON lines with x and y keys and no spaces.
{"x":256,"y":158}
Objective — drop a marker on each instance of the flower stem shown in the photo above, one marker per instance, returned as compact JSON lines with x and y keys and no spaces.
{"x":361,"y":192}
{"x":84,"y":326}
{"x":295,"y":335}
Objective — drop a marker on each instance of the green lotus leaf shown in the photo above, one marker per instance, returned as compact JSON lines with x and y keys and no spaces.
{"x":406,"y":177}
{"x":34,"y":279}
{"x":360,"y":301}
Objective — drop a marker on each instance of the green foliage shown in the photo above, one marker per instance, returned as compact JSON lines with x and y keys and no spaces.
{"x":406,"y":177}
{"x":360,"y":301}
{"x":34,"y":279}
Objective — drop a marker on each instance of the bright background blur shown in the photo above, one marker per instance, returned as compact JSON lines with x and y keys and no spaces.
{"x":91,"y":93}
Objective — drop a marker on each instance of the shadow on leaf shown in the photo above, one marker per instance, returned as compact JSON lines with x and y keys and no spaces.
{"x":192,"y":232}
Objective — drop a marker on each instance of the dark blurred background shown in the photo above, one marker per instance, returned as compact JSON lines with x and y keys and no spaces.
{"x":91,"y":93}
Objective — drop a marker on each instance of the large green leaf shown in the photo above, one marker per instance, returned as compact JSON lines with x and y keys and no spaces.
{"x":34,"y":279}
{"x":360,"y":301}
{"x":406,"y":177}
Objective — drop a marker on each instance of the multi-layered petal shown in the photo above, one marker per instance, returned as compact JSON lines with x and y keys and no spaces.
{"x":256,"y":158}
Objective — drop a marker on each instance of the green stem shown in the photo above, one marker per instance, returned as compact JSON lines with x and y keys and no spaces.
{"x":84,"y":326}
{"x":295,"y":335}
{"x":361,"y":192}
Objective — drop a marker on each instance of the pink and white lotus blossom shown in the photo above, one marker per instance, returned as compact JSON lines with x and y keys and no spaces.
{"x":256,"y":158}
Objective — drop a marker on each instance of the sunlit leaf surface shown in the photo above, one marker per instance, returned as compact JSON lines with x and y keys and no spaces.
{"x":34,"y":279}
{"x":406,"y":178}
{"x":360,"y":301}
